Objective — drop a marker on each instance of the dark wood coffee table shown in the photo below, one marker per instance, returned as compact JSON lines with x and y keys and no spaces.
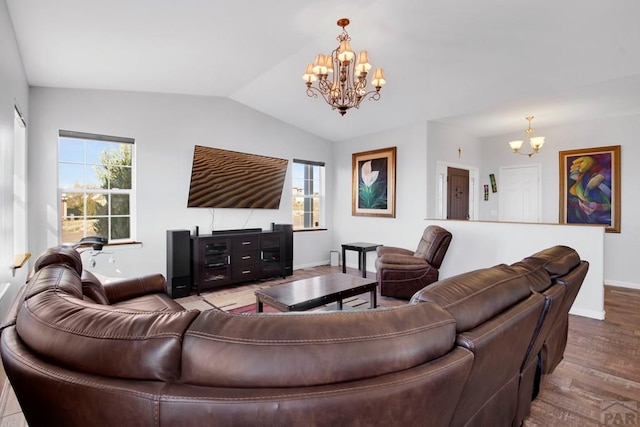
{"x":305,"y":294}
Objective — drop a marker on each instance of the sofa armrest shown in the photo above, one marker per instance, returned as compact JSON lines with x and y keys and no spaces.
{"x":401,"y":261}
{"x":391,"y":250}
{"x":125,"y":289}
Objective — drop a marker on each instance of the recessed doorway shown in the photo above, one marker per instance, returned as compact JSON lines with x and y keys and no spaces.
{"x":456,"y":191}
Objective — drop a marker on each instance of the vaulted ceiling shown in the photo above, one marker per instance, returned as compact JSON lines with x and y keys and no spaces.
{"x":483,"y":65}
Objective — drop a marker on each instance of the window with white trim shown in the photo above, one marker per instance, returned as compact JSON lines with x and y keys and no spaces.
{"x":96,"y":187}
{"x":308,"y":194}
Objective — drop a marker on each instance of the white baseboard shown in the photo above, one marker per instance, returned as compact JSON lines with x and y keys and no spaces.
{"x":327,"y":262}
{"x":593,"y":314}
{"x":622,"y":284}
{"x":311,"y":265}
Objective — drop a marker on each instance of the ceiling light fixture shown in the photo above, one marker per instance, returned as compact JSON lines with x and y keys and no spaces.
{"x":348,"y":87}
{"x":536,"y":142}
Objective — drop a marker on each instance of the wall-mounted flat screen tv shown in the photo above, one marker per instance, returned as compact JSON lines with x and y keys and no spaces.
{"x":229,"y":179}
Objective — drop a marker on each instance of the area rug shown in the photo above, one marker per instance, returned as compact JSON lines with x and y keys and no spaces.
{"x":233,"y":301}
{"x":199,"y":304}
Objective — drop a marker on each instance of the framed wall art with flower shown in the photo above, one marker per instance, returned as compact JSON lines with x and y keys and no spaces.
{"x":374,"y":183}
{"x":590,"y":187}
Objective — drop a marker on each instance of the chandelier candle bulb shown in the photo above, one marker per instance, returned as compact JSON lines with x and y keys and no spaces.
{"x":363,"y":65}
{"x":378,"y":78}
{"x":342,"y":75}
{"x":537,"y":142}
{"x":515,"y":145}
{"x":309,"y":75}
{"x":328,"y":63}
{"x":320,"y":65}
{"x":345,"y":54}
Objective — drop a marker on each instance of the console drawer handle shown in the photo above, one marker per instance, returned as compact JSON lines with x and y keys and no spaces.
{"x":246,"y":257}
{"x":246,"y":272}
{"x":246,"y":243}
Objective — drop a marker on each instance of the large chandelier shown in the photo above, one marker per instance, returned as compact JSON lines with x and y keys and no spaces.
{"x":349,"y":84}
{"x":536,"y":142}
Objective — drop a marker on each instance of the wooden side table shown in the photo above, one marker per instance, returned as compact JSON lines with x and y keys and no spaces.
{"x":362,"y":248}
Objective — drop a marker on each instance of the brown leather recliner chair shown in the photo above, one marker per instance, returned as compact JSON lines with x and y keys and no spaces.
{"x":496,"y":316}
{"x":565,"y":272}
{"x":402,"y":272}
{"x":564,"y":266}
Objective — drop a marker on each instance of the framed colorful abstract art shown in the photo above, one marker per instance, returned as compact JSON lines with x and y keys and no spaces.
{"x":590,"y":187}
{"x":374,"y":183}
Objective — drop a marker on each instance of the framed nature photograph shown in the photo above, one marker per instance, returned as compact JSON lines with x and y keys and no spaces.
{"x":374,"y":183}
{"x":590,"y":187}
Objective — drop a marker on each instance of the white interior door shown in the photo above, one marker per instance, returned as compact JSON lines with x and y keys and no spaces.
{"x":519,"y":194}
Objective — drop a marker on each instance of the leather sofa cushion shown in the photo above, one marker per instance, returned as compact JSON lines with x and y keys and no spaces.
{"x":540,"y":279}
{"x":392,"y":250}
{"x":59,"y":255}
{"x":150,"y":302}
{"x":474,"y":297}
{"x":401,"y":262}
{"x":120,"y":290}
{"x":59,"y":276}
{"x":434,"y":244}
{"x":557,"y":260}
{"x":93,"y":289}
{"x":426,"y":395}
{"x":305,"y":349}
{"x":100,"y":339}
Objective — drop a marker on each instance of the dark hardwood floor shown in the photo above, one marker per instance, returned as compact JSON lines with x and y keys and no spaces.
{"x":597,"y":383}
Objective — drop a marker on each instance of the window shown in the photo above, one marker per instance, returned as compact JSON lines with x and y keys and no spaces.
{"x":96,"y":186}
{"x":308,"y":194}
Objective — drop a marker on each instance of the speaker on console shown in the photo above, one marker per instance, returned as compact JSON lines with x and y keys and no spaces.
{"x":178,"y":263}
{"x":287,"y":230}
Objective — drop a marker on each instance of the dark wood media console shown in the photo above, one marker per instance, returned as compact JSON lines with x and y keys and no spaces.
{"x":234,"y":256}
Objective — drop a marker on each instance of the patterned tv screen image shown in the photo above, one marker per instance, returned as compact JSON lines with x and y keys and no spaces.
{"x":230,"y":179}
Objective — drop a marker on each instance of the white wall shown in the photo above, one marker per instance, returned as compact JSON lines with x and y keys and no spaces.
{"x":13,"y":91}
{"x":165,"y":129}
{"x":411,"y":195}
{"x":620,"y":249}
{"x":478,"y":244}
{"x":443,"y":142}
{"x":419,"y":148}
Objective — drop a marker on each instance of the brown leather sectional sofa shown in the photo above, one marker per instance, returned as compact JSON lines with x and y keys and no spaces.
{"x":464,"y":351}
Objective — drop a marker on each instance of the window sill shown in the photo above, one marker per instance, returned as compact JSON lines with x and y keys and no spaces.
{"x":304,"y":230}
{"x":122,"y":245}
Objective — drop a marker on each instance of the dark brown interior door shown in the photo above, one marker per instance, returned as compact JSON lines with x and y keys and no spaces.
{"x":457,"y":193}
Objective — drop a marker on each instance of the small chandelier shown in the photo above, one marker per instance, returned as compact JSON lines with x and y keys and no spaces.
{"x":349,"y":85}
{"x":536,"y":142}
